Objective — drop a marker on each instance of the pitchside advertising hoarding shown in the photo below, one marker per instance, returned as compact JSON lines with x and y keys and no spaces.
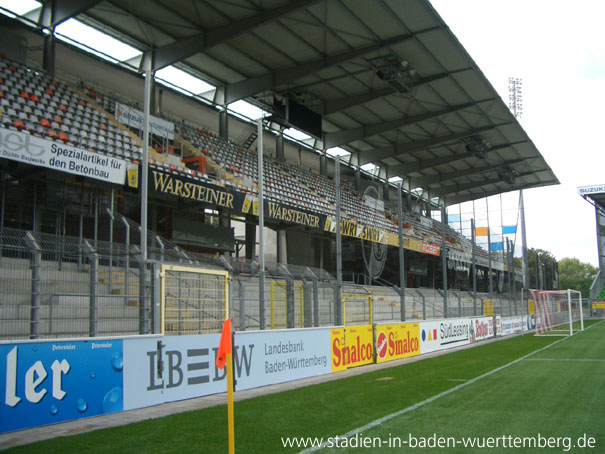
{"x":23,"y":147}
{"x":351,"y":346}
{"x":165,"y":369}
{"x":278,"y":356}
{"x":396,"y":341}
{"x":439,"y":335}
{"x":512,"y":325}
{"x":50,"y":382}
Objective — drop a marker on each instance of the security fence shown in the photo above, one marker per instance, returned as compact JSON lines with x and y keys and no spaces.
{"x":56,"y":286}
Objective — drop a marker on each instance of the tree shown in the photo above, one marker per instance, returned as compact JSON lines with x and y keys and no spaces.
{"x":576,"y":275}
{"x":546,"y":267}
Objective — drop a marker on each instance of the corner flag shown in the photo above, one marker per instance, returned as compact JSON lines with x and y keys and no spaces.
{"x":225,"y":346}
{"x":224,"y":358}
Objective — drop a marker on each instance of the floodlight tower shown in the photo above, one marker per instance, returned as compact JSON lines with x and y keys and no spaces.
{"x":515,"y":104}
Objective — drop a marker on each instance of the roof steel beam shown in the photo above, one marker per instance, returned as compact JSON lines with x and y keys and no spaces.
{"x":428,"y":163}
{"x":239,"y":90}
{"x":54,"y":12}
{"x":336,"y":105}
{"x":447,"y":190}
{"x":368,"y":156}
{"x":186,"y":47}
{"x":454,"y":200}
{"x":335,"y":139}
{"x":442,"y":177}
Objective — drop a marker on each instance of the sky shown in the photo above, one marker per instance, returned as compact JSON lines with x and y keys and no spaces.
{"x":558,"y":48}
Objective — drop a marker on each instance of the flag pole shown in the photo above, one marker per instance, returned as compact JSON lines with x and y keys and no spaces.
{"x":224,"y":358}
{"x":230,"y":419}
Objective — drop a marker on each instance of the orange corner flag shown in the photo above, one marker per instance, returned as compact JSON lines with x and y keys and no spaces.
{"x":224,"y":346}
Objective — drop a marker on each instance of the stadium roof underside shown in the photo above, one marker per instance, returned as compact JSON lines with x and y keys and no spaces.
{"x":392,"y":83}
{"x":595,"y":195}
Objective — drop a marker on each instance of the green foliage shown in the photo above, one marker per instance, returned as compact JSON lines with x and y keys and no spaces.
{"x":576,"y":275}
{"x":544,"y":265}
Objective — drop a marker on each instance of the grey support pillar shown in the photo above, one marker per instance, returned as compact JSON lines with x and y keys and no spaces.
{"x":402,"y":273}
{"x":323,"y":164}
{"x":526,"y":283}
{"x":279,"y":147}
{"x":48,"y":54}
{"x":36,"y":263}
{"x":474,"y":266}
{"x":282,"y":247}
{"x":338,"y":303}
{"x":444,"y":257}
{"x":93,"y":258}
{"x":261,"y":227}
{"x":250,"y":238}
{"x":223,"y":124}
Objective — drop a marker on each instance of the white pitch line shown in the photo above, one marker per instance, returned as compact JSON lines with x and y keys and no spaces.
{"x":579,"y":360}
{"x":386,"y":418}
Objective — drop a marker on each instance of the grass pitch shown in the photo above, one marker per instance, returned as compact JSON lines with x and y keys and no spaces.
{"x":558,"y":392}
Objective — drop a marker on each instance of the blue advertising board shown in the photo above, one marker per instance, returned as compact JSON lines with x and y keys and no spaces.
{"x":49,"y":382}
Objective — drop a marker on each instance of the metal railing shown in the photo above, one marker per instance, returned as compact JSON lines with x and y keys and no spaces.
{"x":61,"y":286}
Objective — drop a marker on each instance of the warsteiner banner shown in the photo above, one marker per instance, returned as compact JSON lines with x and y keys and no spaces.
{"x":226,"y":197}
{"x":397,"y":341}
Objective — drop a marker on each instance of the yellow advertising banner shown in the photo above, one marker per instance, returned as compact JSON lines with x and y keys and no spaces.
{"x":351,"y":346}
{"x":598,"y":305}
{"x":397,"y":341}
{"x":532,"y":307}
{"x":488,"y":307}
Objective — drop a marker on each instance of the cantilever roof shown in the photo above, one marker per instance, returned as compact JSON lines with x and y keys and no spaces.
{"x":595,"y":193}
{"x":393,"y":84}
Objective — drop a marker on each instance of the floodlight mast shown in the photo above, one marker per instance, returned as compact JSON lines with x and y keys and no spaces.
{"x":515,"y":103}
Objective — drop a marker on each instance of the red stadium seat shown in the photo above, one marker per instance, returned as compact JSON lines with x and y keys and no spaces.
{"x":63,"y":137}
{"x":44,"y":122}
{"x":18,"y":124}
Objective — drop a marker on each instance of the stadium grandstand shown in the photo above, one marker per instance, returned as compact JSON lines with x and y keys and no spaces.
{"x":595,"y":195}
{"x":371,"y":122}
{"x":286,"y":165}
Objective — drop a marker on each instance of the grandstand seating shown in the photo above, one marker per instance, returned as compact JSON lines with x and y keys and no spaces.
{"x":82,"y":116}
{"x":34,"y":102}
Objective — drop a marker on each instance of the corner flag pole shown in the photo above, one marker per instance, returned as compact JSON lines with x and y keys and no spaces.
{"x":224,"y":358}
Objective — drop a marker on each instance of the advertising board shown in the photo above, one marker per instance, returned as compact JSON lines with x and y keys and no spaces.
{"x":281,"y":355}
{"x":481,"y":328}
{"x":50,"y":382}
{"x":29,"y":149}
{"x":351,"y":346}
{"x":164,"y":369}
{"x":443,"y":334}
{"x":395,"y":341}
